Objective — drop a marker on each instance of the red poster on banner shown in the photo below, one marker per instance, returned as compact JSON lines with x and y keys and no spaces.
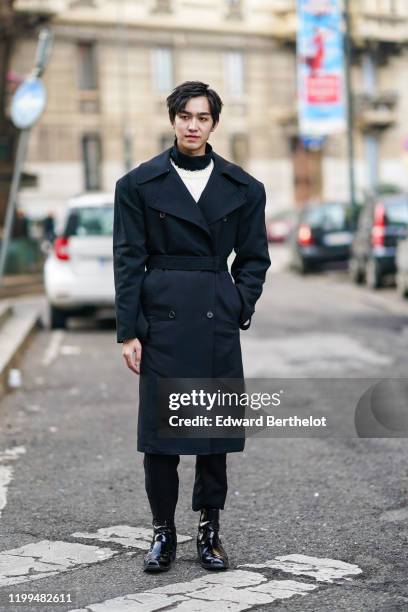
{"x":324,"y":89}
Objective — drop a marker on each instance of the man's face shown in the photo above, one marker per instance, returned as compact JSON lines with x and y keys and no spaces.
{"x":193,"y":126}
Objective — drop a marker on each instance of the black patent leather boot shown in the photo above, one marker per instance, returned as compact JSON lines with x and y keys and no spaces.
{"x":211,"y":553}
{"x":162,"y":549}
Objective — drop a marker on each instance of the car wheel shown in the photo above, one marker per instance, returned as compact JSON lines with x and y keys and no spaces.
{"x":58,"y":318}
{"x":373,"y":274}
{"x":355,"y":272}
{"x":402,"y":287}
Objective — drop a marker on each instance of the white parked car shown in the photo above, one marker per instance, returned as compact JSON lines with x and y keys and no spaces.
{"x":78,"y":272}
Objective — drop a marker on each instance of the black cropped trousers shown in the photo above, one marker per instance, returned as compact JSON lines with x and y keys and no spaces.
{"x":162,"y":483}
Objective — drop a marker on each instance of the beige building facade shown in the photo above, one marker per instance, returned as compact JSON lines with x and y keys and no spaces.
{"x":115,"y":61}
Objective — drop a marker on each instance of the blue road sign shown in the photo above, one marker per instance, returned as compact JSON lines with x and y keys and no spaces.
{"x":28,"y":103}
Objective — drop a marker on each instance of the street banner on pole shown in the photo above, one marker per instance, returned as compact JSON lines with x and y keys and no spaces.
{"x":320,"y":68}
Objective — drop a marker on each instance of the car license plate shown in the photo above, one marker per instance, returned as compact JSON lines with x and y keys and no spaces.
{"x":338,"y":239}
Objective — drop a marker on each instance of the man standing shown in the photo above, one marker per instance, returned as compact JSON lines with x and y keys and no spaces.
{"x":180,"y":215}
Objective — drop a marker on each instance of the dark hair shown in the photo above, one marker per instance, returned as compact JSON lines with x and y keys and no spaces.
{"x":180,"y":95}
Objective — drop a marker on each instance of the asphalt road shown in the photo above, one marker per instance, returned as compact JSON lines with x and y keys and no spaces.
{"x":323,"y":521}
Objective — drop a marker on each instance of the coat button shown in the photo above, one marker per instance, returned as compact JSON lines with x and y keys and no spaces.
{"x":210,"y":314}
{"x":225,"y":218}
{"x":162,"y":215}
{"x":172,"y":314}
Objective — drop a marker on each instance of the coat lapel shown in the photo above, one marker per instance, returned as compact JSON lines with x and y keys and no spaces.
{"x":221,"y":194}
{"x":173,"y":197}
{"x":166,"y":192}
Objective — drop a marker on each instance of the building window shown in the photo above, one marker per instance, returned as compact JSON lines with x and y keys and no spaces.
{"x":234,"y":9}
{"x":162,"y":69}
{"x":161,"y":6}
{"x":397,"y":7}
{"x":92,"y":158}
{"x":234,"y":73}
{"x":387,"y":6}
{"x":82,"y":4}
{"x":239,"y":149}
{"x":88,"y":71}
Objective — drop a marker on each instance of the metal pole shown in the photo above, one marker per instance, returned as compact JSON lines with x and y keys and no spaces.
{"x":369,"y":67}
{"x":43,"y":51}
{"x":350,"y":137}
{"x":11,"y":204}
{"x":42,"y":57}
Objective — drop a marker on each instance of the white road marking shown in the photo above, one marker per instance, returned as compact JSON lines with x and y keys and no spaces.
{"x":319,"y":568}
{"x":46,"y":558}
{"x":308,"y":354}
{"x":399,"y":514}
{"x":127,"y":536}
{"x":252,"y":596}
{"x":52,"y":350}
{"x":70,"y":349}
{"x":6,"y":471}
{"x":195,"y":605}
{"x":234,"y":578}
{"x":11,"y":454}
{"x":232,"y":591}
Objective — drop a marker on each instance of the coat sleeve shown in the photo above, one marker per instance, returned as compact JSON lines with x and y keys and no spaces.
{"x":252,"y":256}
{"x":129,"y":257}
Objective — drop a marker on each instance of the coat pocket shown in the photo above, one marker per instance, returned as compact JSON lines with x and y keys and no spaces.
{"x":231,"y":300}
{"x":149,"y":289}
{"x":238,"y":301}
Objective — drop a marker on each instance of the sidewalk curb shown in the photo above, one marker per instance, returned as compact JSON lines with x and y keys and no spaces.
{"x":17,"y":329}
{"x":21,"y":285}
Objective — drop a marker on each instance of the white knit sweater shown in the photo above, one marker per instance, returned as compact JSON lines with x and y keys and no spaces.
{"x":195,"y":180}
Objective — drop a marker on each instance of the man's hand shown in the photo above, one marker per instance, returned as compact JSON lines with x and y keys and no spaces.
{"x":132,"y":352}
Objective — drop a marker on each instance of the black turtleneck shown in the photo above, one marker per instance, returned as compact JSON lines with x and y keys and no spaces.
{"x":191,"y":162}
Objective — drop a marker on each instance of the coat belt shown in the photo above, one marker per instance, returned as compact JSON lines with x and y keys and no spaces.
{"x":184,"y":262}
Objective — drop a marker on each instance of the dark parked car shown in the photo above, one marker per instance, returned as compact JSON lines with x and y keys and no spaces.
{"x":322,"y":235}
{"x":382,"y":224}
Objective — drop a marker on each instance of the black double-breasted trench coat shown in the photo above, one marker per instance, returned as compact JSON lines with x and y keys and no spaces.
{"x":188,"y":322}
